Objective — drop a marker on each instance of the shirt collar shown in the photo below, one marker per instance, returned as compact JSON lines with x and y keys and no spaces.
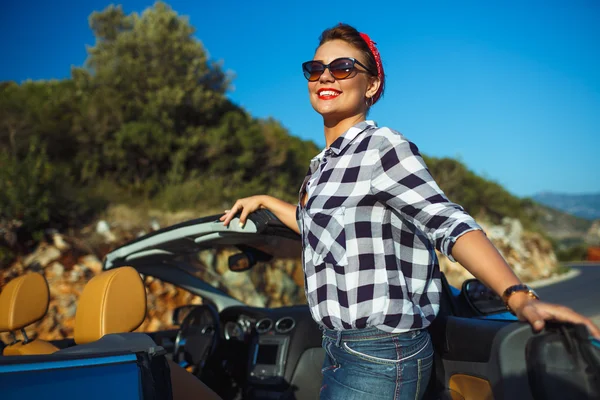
{"x":347,"y":137}
{"x":341,"y":142}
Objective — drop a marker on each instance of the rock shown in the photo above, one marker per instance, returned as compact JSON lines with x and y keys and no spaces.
{"x":43,"y":255}
{"x":528,"y":253}
{"x":222,"y":263}
{"x":298,"y":275}
{"x":103,"y":228}
{"x":514,"y":233}
{"x":592,"y":236}
{"x":281,"y":288}
{"x":48,"y":326}
{"x":68,"y":306}
{"x":68,"y":259}
{"x":91,"y":262}
{"x":153,"y":325}
{"x":207,"y":259}
{"x":54,"y":271}
{"x":154,"y":286}
{"x":76,"y":274}
{"x":154,"y":224}
{"x":59,"y":242}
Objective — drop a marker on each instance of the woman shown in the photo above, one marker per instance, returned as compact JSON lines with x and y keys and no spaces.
{"x":371,"y":217}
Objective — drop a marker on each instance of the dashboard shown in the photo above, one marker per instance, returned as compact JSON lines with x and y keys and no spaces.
{"x":243,"y":327}
{"x":269,"y":342}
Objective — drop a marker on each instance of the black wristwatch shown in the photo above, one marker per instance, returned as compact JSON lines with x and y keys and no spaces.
{"x":515,"y":289}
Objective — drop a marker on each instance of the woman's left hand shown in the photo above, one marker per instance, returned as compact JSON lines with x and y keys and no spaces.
{"x":536,"y":312}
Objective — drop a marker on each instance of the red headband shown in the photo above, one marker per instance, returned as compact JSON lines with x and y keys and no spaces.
{"x":380,"y":73}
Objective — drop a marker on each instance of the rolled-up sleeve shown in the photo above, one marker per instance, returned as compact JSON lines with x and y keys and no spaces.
{"x":401,"y":180}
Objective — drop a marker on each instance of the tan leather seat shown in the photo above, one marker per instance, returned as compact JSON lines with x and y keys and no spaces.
{"x":115,"y":302}
{"x":112,"y":302}
{"x":23,"y":301}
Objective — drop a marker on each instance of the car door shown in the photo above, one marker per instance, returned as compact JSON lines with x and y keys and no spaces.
{"x":477,"y":356}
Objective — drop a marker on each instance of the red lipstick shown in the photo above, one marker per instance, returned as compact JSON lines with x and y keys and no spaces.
{"x":328,"y":93}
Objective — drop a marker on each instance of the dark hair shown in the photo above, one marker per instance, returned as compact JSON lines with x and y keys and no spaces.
{"x":350,"y":35}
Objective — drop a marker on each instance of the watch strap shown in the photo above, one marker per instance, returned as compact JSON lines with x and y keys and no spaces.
{"x":520,"y":288}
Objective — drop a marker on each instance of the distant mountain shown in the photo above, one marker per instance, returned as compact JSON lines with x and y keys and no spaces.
{"x":585,"y":206}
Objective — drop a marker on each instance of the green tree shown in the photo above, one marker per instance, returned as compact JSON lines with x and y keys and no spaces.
{"x":36,"y":109}
{"x":147,"y":81}
{"x":30,"y":188}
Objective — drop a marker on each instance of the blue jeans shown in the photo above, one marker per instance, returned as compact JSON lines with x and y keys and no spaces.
{"x":373,"y":364}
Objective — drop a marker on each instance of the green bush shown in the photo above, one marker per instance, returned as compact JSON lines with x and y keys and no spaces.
{"x":193,"y":194}
{"x":6,"y":256}
{"x":573,"y":253}
{"x":28,"y":187}
{"x":38,"y":194}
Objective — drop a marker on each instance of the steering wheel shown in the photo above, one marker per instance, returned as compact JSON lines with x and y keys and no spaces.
{"x":198,"y":337}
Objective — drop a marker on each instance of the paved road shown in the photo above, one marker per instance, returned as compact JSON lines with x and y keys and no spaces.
{"x":582,"y":293}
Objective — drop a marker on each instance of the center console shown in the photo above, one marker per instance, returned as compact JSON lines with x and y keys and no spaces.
{"x":268,"y":359}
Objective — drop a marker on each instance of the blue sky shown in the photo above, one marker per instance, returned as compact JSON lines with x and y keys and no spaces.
{"x":510,"y":88}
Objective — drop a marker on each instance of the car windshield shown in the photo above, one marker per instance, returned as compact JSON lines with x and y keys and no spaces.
{"x":276,"y":282}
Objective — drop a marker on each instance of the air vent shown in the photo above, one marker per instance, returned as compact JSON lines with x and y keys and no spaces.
{"x":285,"y":324}
{"x":264,"y":325}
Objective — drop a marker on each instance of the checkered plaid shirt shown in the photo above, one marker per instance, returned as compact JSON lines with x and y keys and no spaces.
{"x":371,"y":224}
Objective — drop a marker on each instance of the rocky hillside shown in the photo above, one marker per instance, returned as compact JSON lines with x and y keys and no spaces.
{"x":68,"y":262}
{"x":566,"y":229}
{"x":529,"y":254}
{"x":574,"y":238}
{"x":67,"y":269}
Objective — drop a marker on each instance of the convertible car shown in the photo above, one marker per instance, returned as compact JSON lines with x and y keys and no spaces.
{"x":243,"y":341}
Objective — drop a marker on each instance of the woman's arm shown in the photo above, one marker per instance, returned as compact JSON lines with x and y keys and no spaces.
{"x":402,"y":181}
{"x":286,"y":212}
{"x":479,"y":256}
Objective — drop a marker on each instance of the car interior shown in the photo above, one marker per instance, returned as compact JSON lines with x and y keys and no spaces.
{"x":281,"y":359}
{"x":242,"y":351}
{"x":111,"y":306}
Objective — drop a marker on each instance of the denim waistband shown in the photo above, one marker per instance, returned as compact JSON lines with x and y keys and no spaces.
{"x":355,"y":335}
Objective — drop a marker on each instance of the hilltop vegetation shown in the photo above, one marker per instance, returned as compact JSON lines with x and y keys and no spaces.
{"x":482,"y":198}
{"x":147,"y":122}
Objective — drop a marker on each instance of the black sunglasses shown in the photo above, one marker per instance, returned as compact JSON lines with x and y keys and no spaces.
{"x":340,"y":68}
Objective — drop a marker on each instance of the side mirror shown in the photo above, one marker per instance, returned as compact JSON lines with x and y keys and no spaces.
{"x":180,"y":313}
{"x":481,"y":298}
{"x":240,"y":262}
{"x":247,"y":259}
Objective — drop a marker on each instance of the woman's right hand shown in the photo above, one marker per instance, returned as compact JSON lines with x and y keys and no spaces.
{"x":246,"y":205}
{"x":286,"y":212}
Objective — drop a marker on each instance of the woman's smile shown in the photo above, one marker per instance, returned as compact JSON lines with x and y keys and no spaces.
{"x":328,"y":93}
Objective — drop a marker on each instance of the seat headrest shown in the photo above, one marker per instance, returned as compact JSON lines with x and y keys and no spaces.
{"x":112,"y":302}
{"x":23,"y":301}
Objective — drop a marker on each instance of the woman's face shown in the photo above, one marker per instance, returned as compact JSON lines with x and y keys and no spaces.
{"x":345,"y":98}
